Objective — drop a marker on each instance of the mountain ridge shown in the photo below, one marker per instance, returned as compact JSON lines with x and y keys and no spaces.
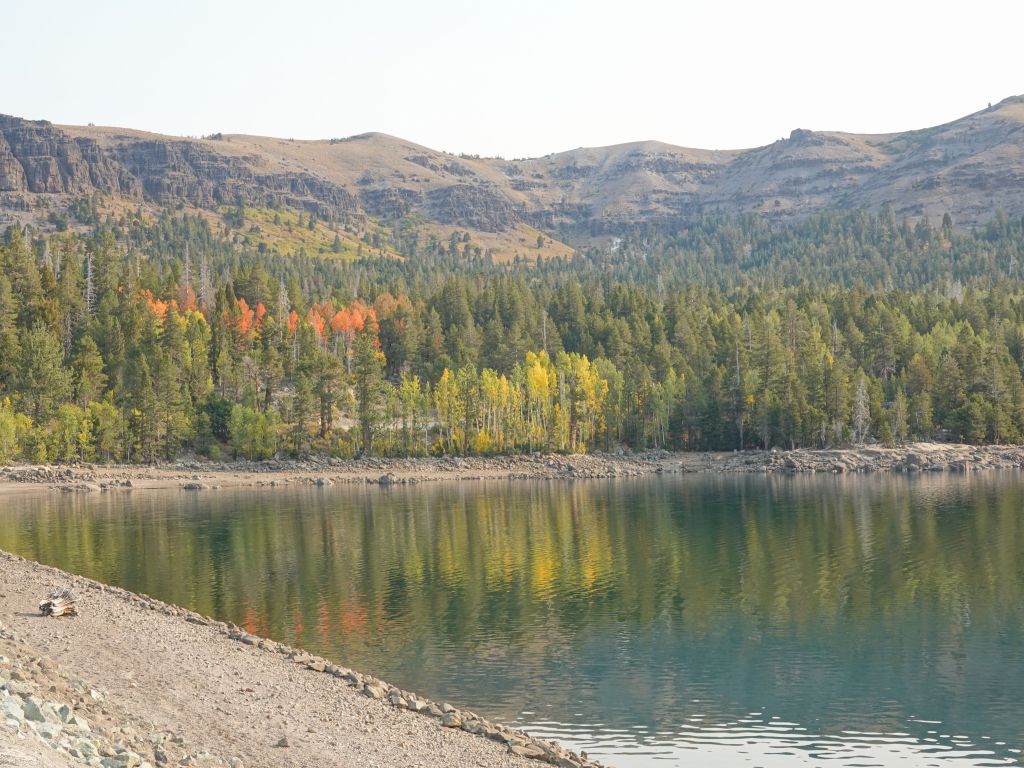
{"x":968,"y":167}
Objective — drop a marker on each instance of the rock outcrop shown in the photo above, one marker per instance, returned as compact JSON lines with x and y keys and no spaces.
{"x":39,"y":157}
{"x":472,"y":206}
{"x":36,"y":156}
{"x":194,"y":172}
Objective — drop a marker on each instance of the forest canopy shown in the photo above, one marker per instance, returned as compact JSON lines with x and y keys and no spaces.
{"x":142,"y":339}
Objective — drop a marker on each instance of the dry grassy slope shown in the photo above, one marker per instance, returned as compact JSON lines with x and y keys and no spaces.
{"x":370,"y":159}
{"x":968,"y":167}
{"x":374,"y":164}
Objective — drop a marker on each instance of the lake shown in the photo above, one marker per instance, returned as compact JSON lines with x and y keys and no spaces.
{"x":710,"y":620}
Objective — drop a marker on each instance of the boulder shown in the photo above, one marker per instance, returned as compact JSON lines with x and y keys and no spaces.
{"x":451,"y":720}
{"x":33,"y":709}
{"x":373,"y":691}
{"x":526,"y":750}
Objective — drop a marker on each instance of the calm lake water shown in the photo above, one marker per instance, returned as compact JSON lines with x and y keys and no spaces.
{"x":702,"y":620}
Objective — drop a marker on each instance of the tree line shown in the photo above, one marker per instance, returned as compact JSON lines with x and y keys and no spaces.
{"x":135,"y":339}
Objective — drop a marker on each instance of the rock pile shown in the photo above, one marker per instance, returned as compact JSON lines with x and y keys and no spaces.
{"x":71,"y":479}
{"x":46,"y":474}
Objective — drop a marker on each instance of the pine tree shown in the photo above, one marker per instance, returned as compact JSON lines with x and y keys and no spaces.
{"x":43,"y":381}
{"x":18,"y":266}
{"x":89,"y":378}
{"x":9,"y":349}
{"x":367,"y":381}
{"x":300,"y":413}
{"x":327,"y":375}
{"x":206,"y":295}
{"x":144,"y":413}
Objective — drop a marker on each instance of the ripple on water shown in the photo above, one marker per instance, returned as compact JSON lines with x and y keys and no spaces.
{"x":770,"y":743}
{"x":709,"y":620}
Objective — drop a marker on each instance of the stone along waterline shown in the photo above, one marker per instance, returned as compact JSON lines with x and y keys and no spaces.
{"x":762,"y":621}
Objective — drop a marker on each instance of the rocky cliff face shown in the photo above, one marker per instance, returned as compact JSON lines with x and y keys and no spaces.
{"x":193,"y":172}
{"x":472,"y":206}
{"x":969,"y":168}
{"x":38,"y":157}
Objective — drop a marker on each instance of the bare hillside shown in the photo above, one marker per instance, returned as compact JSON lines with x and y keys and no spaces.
{"x":968,"y":168}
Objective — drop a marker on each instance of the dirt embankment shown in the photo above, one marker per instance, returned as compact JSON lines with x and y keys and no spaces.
{"x":199,"y":475}
{"x":133,"y":682}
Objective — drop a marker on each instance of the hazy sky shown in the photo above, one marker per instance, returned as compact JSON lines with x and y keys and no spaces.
{"x":513,"y":78}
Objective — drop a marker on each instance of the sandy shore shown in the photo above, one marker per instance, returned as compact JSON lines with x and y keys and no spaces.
{"x":198,"y":475}
{"x":134,"y":682}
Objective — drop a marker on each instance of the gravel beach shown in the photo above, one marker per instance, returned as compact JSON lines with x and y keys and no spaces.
{"x":134,"y":682}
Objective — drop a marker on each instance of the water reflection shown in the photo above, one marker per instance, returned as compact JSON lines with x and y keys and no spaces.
{"x":775,"y":621}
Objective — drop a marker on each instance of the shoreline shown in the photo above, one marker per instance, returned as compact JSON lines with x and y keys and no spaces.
{"x":200,"y":475}
{"x":134,"y":682}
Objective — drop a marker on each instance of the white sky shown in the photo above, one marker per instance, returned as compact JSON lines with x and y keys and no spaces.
{"x":520,"y":78}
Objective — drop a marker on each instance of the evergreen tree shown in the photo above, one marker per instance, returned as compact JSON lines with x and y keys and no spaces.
{"x":89,"y":378}
{"x":43,"y":381}
{"x":9,"y":349}
{"x":367,"y":381}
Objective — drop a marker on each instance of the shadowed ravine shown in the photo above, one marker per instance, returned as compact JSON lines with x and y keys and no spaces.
{"x":763,"y":621}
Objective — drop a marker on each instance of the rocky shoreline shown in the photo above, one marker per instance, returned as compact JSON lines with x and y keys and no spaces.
{"x":61,"y":721}
{"x":60,"y":711}
{"x":911,"y":458}
{"x":201,"y":475}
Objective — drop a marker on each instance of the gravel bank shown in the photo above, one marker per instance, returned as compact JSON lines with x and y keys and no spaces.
{"x":134,"y":682}
{"x":201,"y":476}
{"x":915,"y":457}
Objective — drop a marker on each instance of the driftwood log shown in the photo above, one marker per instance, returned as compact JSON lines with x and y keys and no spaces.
{"x":60,"y":602}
